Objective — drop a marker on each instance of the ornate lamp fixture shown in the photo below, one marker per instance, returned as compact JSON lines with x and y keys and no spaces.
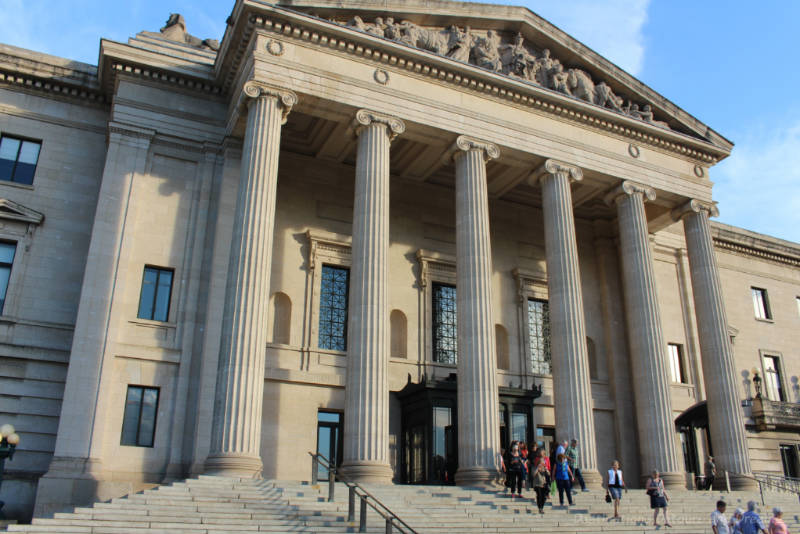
{"x":757,"y":383}
{"x":8,"y":444}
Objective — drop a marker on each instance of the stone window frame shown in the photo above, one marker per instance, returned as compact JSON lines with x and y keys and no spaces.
{"x":762,"y":355}
{"x":324,"y":248}
{"x":530,"y":285}
{"x":439,"y":268}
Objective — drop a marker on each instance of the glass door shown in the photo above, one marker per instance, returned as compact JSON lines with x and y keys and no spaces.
{"x":329,"y":440}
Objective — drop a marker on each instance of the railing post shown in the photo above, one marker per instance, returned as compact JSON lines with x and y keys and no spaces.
{"x":388,"y":525}
{"x":351,"y":504}
{"x":727,"y":481}
{"x":314,"y":469}
{"x":331,"y":483}
{"x":761,"y":491}
{"x":362,"y":523}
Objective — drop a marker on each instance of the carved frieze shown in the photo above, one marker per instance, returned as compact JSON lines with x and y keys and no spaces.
{"x":512,"y":57}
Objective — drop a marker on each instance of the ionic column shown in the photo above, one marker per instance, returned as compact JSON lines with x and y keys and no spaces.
{"x":236,"y":433}
{"x":657,"y":436}
{"x":366,"y":430}
{"x":571,"y":385}
{"x":724,"y":418}
{"x":478,"y":427}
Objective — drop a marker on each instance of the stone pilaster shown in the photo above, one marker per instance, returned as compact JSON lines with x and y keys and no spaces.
{"x":236,"y":432}
{"x":724,"y":417}
{"x":366,"y":431}
{"x":657,"y":436}
{"x":571,"y":385}
{"x":478,"y":426}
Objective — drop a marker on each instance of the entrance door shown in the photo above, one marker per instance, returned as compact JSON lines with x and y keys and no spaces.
{"x":329,"y":440}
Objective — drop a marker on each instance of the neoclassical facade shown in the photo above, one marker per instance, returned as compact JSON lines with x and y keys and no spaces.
{"x":399,"y":234}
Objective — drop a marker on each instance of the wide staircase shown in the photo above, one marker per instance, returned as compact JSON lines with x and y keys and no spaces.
{"x":214,"y":505}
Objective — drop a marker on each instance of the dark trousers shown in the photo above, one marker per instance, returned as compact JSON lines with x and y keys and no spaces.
{"x":579,"y":477}
{"x":515,"y":480}
{"x":541,"y":496}
{"x":709,"y":482}
{"x":564,"y":486}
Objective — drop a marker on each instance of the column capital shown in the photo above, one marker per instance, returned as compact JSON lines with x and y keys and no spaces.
{"x":628,"y":188}
{"x":365,"y":117}
{"x":695,"y":206}
{"x":553,"y":167}
{"x":254,"y":89}
{"x":465,"y":143}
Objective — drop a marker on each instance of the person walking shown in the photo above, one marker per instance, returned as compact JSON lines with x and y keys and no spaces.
{"x":658,"y":497}
{"x":573,"y":458}
{"x":615,"y":485}
{"x":515,"y":471}
{"x":710,"y":472}
{"x":734,"y":525}
{"x":751,"y":522}
{"x":776,"y":524}
{"x":563,"y":476}
{"x":719,"y":523}
{"x":541,"y":485}
{"x":523,"y":451}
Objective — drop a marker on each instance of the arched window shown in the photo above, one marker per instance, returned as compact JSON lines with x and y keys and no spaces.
{"x":591,"y":356}
{"x":397,"y":319}
{"x":501,"y":338}
{"x":281,"y":312}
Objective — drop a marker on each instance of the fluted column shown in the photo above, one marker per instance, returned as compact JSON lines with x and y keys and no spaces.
{"x":571,"y":385}
{"x":366,"y":422}
{"x":236,"y":433}
{"x":478,"y":427}
{"x":657,"y":436}
{"x":724,"y":417}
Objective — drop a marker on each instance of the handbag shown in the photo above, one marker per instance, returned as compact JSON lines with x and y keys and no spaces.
{"x":608,"y":497}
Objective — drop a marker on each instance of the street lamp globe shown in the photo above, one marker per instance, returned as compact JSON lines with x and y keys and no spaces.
{"x":7,"y":429}
{"x":13,"y":439}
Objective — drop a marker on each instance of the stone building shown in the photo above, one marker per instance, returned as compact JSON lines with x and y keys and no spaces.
{"x":219,"y":257}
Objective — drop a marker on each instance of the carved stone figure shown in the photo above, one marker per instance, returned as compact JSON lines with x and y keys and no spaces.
{"x":543,"y":65}
{"x":647,"y":116}
{"x":175,"y":30}
{"x":431,"y":40}
{"x":487,"y":53}
{"x":377,"y":28}
{"x":559,"y":79}
{"x":517,"y":60}
{"x":459,"y":44}
{"x":605,"y":97}
{"x":581,"y":85}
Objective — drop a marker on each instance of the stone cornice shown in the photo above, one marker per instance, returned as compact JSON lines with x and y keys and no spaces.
{"x":51,"y":87}
{"x":328,"y":35}
{"x":695,"y":206}
{"x":627,"y":188}
{"x":743,"y":242}
{"x":365,"y":117}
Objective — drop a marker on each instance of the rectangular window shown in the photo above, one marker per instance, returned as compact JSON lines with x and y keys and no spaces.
{"x":761,"y":303}
{"x":676,"y":363}
{"x":7,"y":252}
{"x":155,"y":296}
{"x":139,"y":421}
{"x":445,"y":326}
{"x":329,"y":440}
{"x":18,"y":158}
{"x":333,"y":308}
{"x":798,"y":304}
{"x":773,"y":381}
{"x":519,"y":426}
{"x":539,"y":335}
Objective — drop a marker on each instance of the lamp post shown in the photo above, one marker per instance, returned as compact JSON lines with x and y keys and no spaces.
{"x":8,"y":444}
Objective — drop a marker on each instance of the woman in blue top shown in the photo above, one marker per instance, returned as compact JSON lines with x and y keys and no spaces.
{"x":563,"y":477}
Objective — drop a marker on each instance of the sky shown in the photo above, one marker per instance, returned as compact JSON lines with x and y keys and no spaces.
{"x":730,"y":63}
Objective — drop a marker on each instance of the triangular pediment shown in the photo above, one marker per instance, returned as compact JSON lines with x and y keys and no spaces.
{"x":11,"y":210}
{"x":515,"y":42}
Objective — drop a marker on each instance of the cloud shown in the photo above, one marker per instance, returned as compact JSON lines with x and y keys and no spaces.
{"x":758,"y":186}
{"x":612,"y":28}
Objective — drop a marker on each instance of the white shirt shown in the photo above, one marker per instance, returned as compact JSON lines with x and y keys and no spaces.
{"x":718,"y":520}
{"x":611,"y":477}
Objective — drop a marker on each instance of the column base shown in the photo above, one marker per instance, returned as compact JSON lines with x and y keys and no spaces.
{"x":738,"y":483}
{"x":592,"y":479}
{"x":234,"y":465}
{"x":476,"y":476}
{"x":675,"y":481}
{"x":367,"y":472}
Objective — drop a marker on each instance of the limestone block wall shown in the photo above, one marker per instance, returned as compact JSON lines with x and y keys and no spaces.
{"x":42,"y":298}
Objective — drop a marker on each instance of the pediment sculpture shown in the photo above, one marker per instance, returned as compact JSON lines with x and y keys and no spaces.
{"x":516,"y":58}
{"x":175,"y":30}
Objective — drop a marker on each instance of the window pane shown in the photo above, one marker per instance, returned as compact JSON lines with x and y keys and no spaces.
{"x":29,"y":153}
{"x":7,"y":251}
{"x":773,"y":378}
{"x":130,"y":420}
{"x":162,"y":296}
{"x":9,"y":148}
{"x":333,"y":308}
{"x":5,"y":273}
{"x":445,"y":324}
{"x":519,"y":426}
{"x":147,"y":298}
{"x":329,"y":417}
{"x":441,"y":420}
{"x":676,"y":370}
{"x":760,"y":303}
{"x":147,"y":423}
{"x":539,"y":335}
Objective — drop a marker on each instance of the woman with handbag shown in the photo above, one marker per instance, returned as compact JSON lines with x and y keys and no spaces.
{"x":540,"y":485}
{"x":614,"y":487}
{"x":658,"y":497}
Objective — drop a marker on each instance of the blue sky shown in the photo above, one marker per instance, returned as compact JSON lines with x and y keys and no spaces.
{"x":732,"y":64}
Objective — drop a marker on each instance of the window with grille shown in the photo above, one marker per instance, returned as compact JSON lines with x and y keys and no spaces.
{"x":445,"y":331}
{"x":333,"y":308}
{"x":539,"y":335}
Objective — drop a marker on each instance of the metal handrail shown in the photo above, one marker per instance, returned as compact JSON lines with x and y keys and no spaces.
{"x":356,"y":490}
{"x":766,"y":482}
